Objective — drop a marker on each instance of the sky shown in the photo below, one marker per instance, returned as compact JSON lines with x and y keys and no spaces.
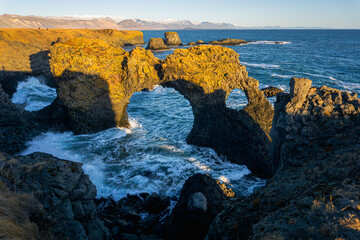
{"x":283,"y":13}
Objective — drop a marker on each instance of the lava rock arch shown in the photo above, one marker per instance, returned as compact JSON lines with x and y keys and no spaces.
{"x":95,"y":82}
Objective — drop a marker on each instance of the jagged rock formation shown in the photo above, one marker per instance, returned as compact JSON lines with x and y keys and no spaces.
{"x":316,"y":148}
{"x":95,"y":81}
{"x":18,"y":126}
{"x":15,"y":126}
{"x":228,"y":41}
{"x":65,"y":193}
{"x":156,"y":44}
{"x":172,"y":39}
{"x":312,"y":120}
{"x":123,"y":217}
{"x":200,"y":201}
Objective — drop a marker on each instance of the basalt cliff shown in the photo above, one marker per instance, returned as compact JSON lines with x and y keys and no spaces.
{"x":309,"y":147}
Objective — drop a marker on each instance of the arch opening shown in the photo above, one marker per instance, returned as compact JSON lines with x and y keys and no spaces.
{"x":236,"y":100}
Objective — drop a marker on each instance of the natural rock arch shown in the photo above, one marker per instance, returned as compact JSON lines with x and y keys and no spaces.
{"x":95,"y":82}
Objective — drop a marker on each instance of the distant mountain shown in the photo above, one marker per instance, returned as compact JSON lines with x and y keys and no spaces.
{"x":91,"y":22}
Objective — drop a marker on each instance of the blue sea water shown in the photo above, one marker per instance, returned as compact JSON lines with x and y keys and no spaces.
{"x":152,"y":155}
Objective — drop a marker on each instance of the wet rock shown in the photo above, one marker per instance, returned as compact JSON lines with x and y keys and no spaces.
{"x":172,"y":39}
{"x":188,"y":220}
{"x":271,"y":91}
{"x":156,"y":44}
{"x":228,"y":41}
{"x":197,"y":202}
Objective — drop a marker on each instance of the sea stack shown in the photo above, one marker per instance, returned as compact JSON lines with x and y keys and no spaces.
{"x":156,"y":44}
{"x":172,"y":39}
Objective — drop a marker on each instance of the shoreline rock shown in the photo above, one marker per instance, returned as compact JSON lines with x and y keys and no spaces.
{"x":316,"y":155}
{"x":157,"y":44}
{"x":172,"y":39}
{"x":228,"y":41}
{"x":271,"y":91}
{"x":65,"y":193}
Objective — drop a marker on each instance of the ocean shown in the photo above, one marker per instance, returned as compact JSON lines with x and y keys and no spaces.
{"x":152,"y":155}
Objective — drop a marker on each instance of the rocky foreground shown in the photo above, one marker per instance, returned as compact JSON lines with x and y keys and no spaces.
{"x":309,"y":147}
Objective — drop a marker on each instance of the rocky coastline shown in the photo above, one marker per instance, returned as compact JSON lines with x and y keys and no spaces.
{"x":308,"y":147}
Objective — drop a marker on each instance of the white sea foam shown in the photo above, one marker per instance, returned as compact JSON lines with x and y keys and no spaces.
{"x":149,"y":156}
{"x":269,"y":42}
{"x":281,"y":76}
{"x":80,"y":148}
{"x":139,"y":170}
{"x":33,"y":95}
{"x":260,"y":65}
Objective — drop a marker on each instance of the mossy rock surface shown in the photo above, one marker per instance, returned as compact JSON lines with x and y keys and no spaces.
{"x":96,"y":80}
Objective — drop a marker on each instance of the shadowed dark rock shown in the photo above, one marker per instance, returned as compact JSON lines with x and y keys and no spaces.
{"x":65,"y":192}
{"x":316,"y":153}
{"x":185,"y":222}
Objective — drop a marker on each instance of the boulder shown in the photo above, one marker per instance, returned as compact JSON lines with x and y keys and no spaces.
{"x":197,"y":202}
{"x":271,"y":91}
{"x":228,"y":41}
{"x":316,"y":155}
{"x":65,"y":192}
{"x":201,"y":199}
{"x":200,"y":42}
{"x":172,"y":39}
{"x":156,"y":44}
{"x":192,"y":43}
